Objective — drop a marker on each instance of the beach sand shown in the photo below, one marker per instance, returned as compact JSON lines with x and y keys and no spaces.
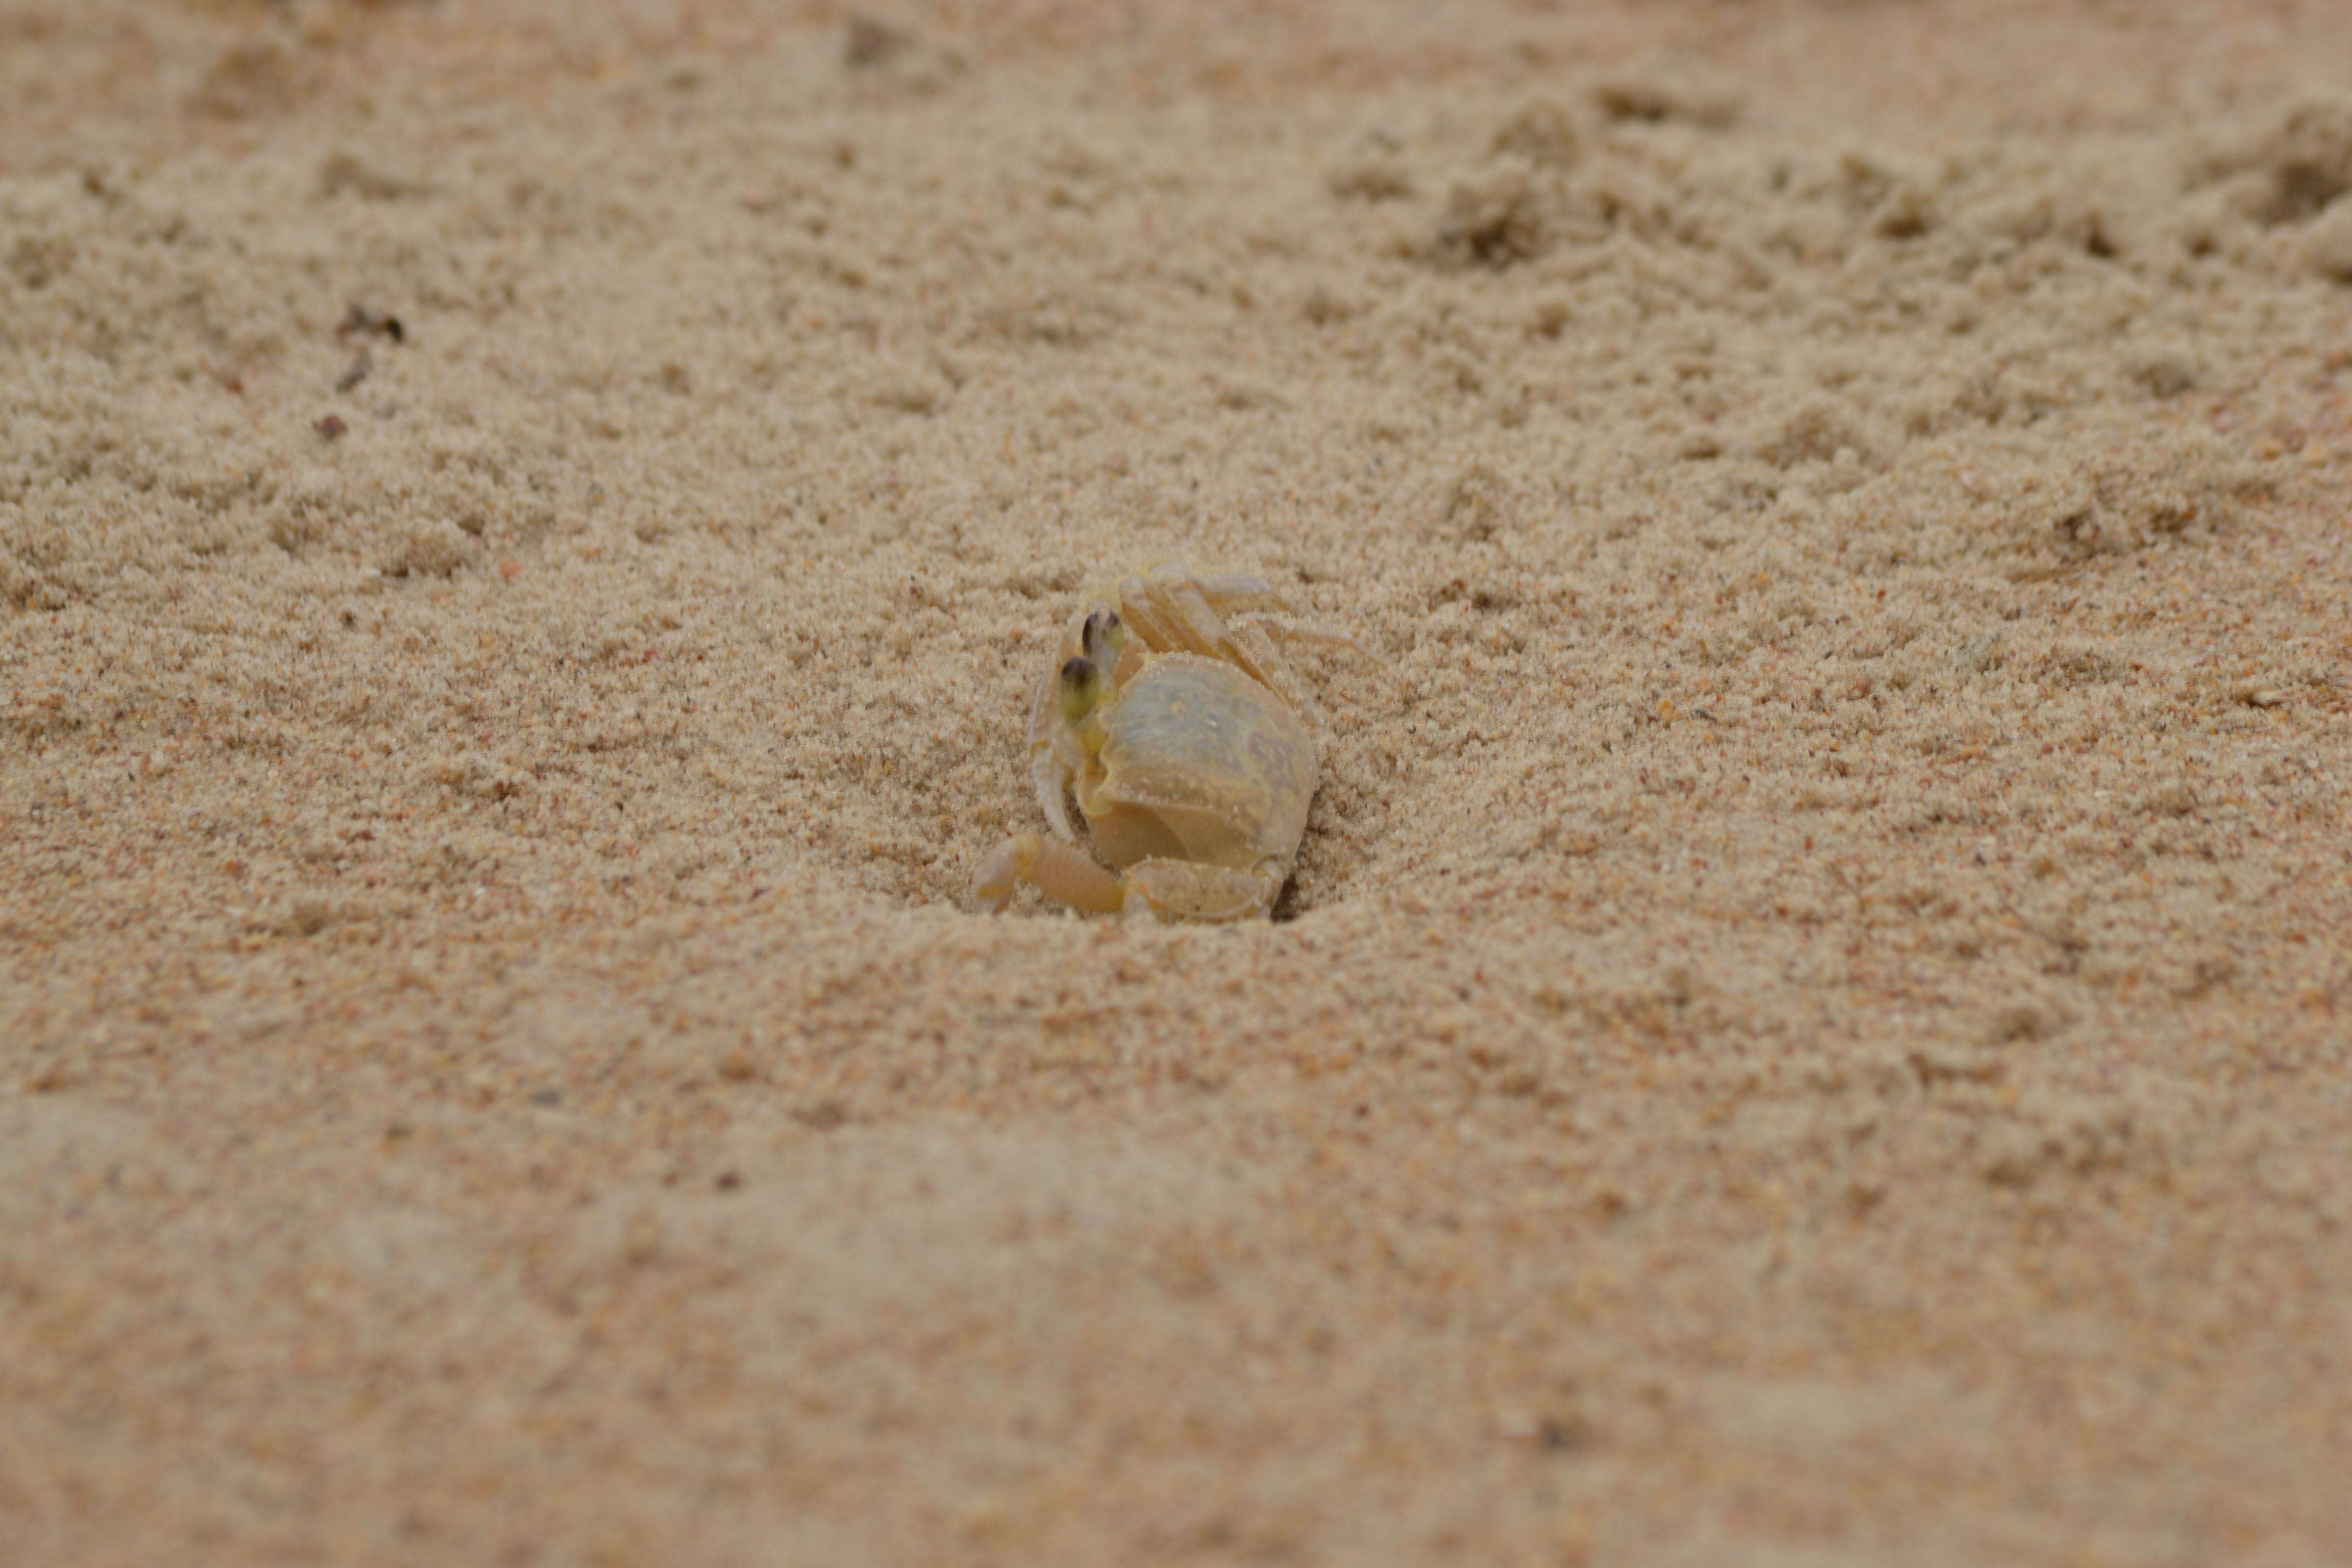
{"x":1813,"y":1021}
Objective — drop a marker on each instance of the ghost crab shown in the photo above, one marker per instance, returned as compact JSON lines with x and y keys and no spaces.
{"x":1172,"y":715}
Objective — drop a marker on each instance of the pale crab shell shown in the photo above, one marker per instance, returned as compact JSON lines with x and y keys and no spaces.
{"x":1200,"y":764}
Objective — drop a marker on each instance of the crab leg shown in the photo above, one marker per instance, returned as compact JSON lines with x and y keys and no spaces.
{"x":1282,"y":626}
{"x":1199,"y":629}
{"x":1138,"y":609}
{"x":1052,"y":764}
{"x":1253,"y":601}
{"x":1049,"y":776}
{"x":1254,"y":651}
{"x":1205,"y":630}
{"x":1244,"y":595}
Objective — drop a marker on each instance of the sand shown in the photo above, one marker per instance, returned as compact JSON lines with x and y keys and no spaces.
{"x":1812,"y":1021}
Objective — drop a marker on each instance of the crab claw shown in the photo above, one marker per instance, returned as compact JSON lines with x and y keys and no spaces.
{"x":1055,"y":869}
{"x":997,"y":876}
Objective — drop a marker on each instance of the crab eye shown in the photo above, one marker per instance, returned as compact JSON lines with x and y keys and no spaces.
{"x":1081,"y":685}
{"x":1106,"y":639}
{"x":1099,"y":624}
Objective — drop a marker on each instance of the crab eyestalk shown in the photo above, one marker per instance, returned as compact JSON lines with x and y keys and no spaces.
{"x":1081,"y":690}
{"x":1104,"y":639}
